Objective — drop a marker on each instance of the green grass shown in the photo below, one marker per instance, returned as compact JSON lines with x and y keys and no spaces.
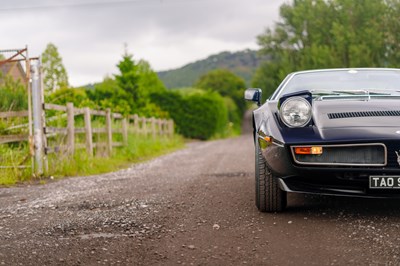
{"x":14,"y":155}
{"x":139,"y":148}
{"x":11,"y":176}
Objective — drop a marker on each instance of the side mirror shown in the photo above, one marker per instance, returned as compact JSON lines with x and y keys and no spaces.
{"x":253,"y":95}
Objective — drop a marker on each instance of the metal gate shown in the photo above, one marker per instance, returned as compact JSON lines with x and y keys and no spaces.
{"x":16,"y":115}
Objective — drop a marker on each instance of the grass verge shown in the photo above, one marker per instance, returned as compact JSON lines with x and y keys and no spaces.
{"x":139,"y":148}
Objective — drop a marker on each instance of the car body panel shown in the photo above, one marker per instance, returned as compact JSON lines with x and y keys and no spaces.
{"x":355,"y":120}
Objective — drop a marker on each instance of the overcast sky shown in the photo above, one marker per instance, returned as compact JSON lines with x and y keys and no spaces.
{"x":90,"y":34}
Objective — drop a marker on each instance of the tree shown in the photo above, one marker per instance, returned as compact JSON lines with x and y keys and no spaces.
{"x":77,"y":96}
{"x":55,"y":75}
{"x":13,"y":95}
{"x":108,"y":94}
{"x":316,"y":34}
{"x":139,"y":81}
{"x":231,"y":87}
{"x":149,"y":81}
{"x":391,"y":35}
{"x":225,"y":83}
{"x":128,"y":79}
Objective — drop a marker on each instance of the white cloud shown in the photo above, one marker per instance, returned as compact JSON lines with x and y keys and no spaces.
{"x":167,"y":33}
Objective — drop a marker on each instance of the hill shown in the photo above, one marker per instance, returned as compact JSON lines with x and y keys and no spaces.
{"x":243,"y":64}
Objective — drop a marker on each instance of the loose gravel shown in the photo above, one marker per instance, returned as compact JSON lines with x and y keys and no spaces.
{"x":192,"y":207}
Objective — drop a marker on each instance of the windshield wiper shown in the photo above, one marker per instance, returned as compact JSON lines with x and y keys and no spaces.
{"x":323,"y":92}
{"x":361,"y":92}
{"x":321,"y":95}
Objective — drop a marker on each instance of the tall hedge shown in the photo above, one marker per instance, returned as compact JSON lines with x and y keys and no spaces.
{"x":199,"y":115}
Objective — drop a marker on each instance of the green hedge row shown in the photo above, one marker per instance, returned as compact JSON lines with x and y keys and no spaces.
{"x":199,"y":115}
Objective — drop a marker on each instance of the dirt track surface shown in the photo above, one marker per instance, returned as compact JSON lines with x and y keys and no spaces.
{"x":192,"y":207}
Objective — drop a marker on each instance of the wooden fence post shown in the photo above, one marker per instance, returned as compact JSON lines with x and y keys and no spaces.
{"x":88,"y":131}
{"x":160,"y":126}
{"x":171,"y":127}
{"x":165,"y":127}
{"x":143,"y":129}
{"x":153,"y":127}
{"x":70,"y":129}
{"x":109,"y":131}
{"x":125,"y":131}
{"x":135,"y":123}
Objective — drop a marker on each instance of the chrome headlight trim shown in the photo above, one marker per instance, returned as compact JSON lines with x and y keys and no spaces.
{"x":300,"y":115}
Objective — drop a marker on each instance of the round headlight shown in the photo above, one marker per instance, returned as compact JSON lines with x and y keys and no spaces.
{"x":295,"y":112}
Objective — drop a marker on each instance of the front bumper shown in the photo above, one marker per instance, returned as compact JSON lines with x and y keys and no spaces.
{"x":328,"y":180}
{"x":335,"y":186}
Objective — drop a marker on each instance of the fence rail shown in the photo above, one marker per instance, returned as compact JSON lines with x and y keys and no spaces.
{"x":13,"y":137}
{"x":14,"y":114}
{"x":130,"y":124}
{"x":115,"y":124}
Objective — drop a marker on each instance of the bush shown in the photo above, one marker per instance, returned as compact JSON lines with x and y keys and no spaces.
{"x":70,"y":95}
{"x":13,"y":95}
{"x":199,"y":115}
{"x":227,"y":84}
{"x":234,"y":115}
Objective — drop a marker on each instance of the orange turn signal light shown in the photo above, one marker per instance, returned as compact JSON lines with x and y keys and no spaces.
{"x":267,"y":139}
{"x":316,"y":150}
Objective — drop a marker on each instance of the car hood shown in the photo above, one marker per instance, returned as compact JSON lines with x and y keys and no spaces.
{"x":346,"y":119}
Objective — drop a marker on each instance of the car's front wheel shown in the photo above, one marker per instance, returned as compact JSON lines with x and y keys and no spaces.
{"x":269,"y":197}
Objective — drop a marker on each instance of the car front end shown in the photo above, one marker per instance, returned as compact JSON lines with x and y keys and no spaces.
{"x":332,"y":139}
{"x":340,"y":152}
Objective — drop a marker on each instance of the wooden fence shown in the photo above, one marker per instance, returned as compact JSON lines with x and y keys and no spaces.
{"x":115,"y":124}
{"x":17,"y":121}
{"x":130,"y":124}
{"x":13,"y":137}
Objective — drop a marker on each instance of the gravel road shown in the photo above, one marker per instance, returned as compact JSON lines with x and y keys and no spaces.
{"x":192,"y":207}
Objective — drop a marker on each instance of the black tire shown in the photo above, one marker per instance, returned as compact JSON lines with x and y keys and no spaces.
{"x":269,"y":197}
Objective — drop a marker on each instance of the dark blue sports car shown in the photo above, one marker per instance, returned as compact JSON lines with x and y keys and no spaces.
{"x":331,"y":131}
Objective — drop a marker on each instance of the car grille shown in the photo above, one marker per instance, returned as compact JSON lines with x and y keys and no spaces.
{"x":346,"y":155}
{"x":363,"y":114}
{"x":393,"y":148}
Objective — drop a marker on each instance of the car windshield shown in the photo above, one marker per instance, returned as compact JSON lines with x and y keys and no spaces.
{"x":345,"y":83}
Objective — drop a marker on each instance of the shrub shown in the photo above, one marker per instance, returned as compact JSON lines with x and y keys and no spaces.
{"x":234,"y":115}
{"x":70,"y":95}
{"x":13,"y":95}
{"x":199,"y":115}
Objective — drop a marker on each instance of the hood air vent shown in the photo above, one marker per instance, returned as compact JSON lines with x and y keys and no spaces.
{"x":363,"y":114}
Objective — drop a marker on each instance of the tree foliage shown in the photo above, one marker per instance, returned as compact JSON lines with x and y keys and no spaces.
{"x":55,"y":75}
{"x":228,"y":85}
{"x":136,"y":89}
{"x":316,"y":34}
{"x":13,"y":95}
{"x":128,"y":92}
{"x":149,"y":81}
{"x":136,"y":82}
{"x":225,"y":83}
{"x":108,"y":94}
{"x":242,"y":63}
{"x":128,"y":79}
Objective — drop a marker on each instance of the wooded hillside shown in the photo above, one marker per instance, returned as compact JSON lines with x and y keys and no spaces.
{"x":243,"y":64}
